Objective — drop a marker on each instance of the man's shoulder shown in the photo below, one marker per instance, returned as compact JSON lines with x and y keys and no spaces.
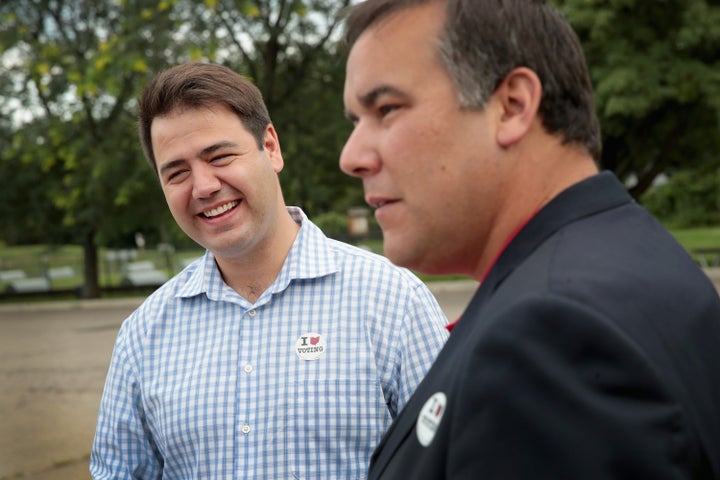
{"x":159,"y":301}
{"x":363,"y":259}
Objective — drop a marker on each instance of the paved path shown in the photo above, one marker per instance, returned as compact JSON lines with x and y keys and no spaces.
{"x":53,"y":361}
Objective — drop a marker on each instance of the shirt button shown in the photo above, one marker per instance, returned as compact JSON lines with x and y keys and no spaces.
{"x":252,"y":313}
{"x":248,"y":368}
{"x":246,"y":429}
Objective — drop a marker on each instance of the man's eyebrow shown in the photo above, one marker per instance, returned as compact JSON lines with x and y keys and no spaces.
{"x":203,"y":153}
{"x":215,"y":147}
{"x":368,"y":99}
{"x":171,"y":165}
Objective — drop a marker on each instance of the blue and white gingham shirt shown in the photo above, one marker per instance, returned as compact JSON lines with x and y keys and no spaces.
{"x":301,"y":384}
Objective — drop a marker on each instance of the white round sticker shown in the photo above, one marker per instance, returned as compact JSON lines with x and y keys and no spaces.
{"x":429,"y":418}
{"x":310,"y":346}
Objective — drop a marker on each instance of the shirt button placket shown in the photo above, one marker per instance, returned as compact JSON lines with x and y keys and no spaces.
{"x":248,"y":368}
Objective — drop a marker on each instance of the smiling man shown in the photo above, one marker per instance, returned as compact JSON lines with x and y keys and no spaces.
{"x":279,"y":354}
{"x":591,"y":349}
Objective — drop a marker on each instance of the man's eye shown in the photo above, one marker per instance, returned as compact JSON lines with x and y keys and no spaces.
{"x":221,"y":159}
{"x":386,"y":109}
{"x":176,"y":176}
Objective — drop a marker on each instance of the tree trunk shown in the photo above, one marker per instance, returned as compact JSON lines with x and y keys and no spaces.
{"x":91,"y":288}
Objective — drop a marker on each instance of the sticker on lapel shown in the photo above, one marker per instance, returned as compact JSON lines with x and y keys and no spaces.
{"x":429,"y":418}
{"x":310,"y":346}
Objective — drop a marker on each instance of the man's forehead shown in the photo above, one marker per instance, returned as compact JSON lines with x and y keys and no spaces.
{"x":390,"y":49}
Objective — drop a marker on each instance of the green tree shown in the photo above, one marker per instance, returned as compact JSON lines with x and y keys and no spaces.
{"x":25,"y":208}
{"x":656,"y":71}
{"x":77,"y":66}
{"x":691,"y":198}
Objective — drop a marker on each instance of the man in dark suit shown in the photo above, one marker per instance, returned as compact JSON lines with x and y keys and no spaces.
{"x":591,"y":349}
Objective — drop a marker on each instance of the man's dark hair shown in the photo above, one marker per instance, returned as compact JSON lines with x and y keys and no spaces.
{"x":200,"y":85}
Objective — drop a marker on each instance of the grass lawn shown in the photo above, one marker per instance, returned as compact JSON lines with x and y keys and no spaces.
{"x":66,"y":262}
{"x":36,"y":260}
{"x":693,"y":238}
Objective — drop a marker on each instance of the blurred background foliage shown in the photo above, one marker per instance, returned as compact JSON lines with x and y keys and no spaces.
{"x":71,"y":168}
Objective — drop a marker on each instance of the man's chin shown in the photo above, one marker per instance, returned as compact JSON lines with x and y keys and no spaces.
{"x":411,"y":256}
{"x":398,"y":251}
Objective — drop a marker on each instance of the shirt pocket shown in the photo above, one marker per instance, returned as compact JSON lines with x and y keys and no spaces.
{"x":332,"y":426}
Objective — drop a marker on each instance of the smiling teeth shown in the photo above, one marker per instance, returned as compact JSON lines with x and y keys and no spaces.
{"x":220,"y":210}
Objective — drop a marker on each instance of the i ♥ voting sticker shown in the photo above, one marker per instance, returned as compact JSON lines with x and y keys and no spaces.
{"x":310,"y":346}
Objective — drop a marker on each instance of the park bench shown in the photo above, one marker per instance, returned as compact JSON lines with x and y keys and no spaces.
{"x":29,"y":285}
{"x":60,"y":272}
{"x":142,"y":274}
{"x":10,"y":275}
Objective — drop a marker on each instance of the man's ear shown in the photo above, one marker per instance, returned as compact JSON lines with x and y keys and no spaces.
{"x":519,"y":95}
{"x":271,"y":145}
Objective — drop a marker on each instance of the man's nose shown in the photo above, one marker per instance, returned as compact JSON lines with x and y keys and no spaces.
{"x":359,"y":157}
{"x":205,"y":181}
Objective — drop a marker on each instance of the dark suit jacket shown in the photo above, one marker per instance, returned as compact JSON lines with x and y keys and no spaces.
{"x":591,"y":351}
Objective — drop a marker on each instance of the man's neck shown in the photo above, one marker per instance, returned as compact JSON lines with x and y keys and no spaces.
{"x":535,"y":183}
{"x":250,"y":275}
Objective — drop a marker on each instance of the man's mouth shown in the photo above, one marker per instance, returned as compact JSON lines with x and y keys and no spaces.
{"x":382,"y":203}
{"x":220,"y":210}
{"x":378,"y":201}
